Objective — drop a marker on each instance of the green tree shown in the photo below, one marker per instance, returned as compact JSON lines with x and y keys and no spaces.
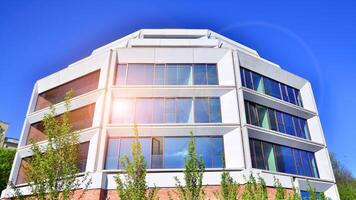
{"x":255,"y":189}
{"x":193,"y":175}
{"x":6,"y":158}
{"x":229,"y":187}
{"x":346,"y":182}
{"x":133,"y":186}
{"x":294,"y":195}
{"x":52,"y":170}
{"x":280,"y":191}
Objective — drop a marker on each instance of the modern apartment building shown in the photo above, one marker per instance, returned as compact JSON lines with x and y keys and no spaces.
{"x":170,"y":82}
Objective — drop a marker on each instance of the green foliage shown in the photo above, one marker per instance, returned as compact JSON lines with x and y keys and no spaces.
{"x":193,"y":175}
{"x":52,"y":170}
{"x":255,"y":189}
{"x":6,"y":158}
{"x":313,"y":195}
{"x":294,"y":195}
{"x":133,"y":184}
{"x":280,"y":191}
{"x":229,"y":187}
{"x":346,"y":182}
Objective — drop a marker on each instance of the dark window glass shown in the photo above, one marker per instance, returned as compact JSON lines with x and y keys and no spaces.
{"x":121,"y":74}
{"x":201,"y":110}
{"x":157,"y":153}
{"x":272,"y":120}
{"x":262,"y":116}
{"x":159,"y":74}
{"x":140,"y":74}
{"x":313,"y":164}
{"x":297,"y":127}
{"x":242,"y":77}
{"x":253,"y":114}
{"x":248,"y":79}
{"x":200,"y":72}
{"x":257,"y":82}
{"x":253,"y":154}
{"x":291,"y":95}
{"x":306,"y":163}
{"x":212,"y":74}
{"x":299,"y":98}
{"x":272,"y":88}
{"x":203,"y":148}
{"x":269,"y":157}
{"x":217,"y":149}
{"x":215,"y":111}
{"x":80,"y":86}
{"x":285,"y":160}
{"x":299,"y":162}
{"x":175,"y":151}
{"x":247,"y":111}
{"x":304,"y":127}
{"x":281,"y":127}
{"x":284,"y":92}
{"x":259,"y":155}
{"x":288,"y":121}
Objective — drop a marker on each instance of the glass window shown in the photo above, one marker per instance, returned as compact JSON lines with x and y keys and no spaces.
{"x":200,"y":72}
{"x":253,"y":114}
{"x":263,"y":116}
{"x":157,"y":152}
{"x":299,"y":162}
{"x":112,"y":154}
{"x":285,"y":160}
{"x":259,"y":155}
{"x":257,"y":82}
{"x":248,"y":79}
{"x":253,"y":153}
{"x":212,"y":74}
{"x":306,"y":163}
{"x":175,"y":151}
{"x":184,"y":110}
{"x":143,"y":110}
{"x":123,"y":111}
{"x":272,"y":88}
{"x":178,"y":74}
{"x":281,"y":127}
{"x":304,"y":127}
{"x":313,"y":164}
{"x":201,"y":110}
{"x":288,"y":121}
{"x":243,"y":81}
{"x":140,"y":74}
{"x":203,"y":148}
{"x":297,"y":127}
{"x":158,"y":110}
{"x":125,"y":149}
{"x":299,"y":98}
{"x":159,"y":74}
{"x":291,"y":95}
{"x":269,"y":156}
{"x":272,"y":120}
{"x":284,"y":92}
{"x":83,"y":156}
{"x":121,"y":74}
{"x":217,"y":149}
{"x":215,"y":111}
{"x":170,"y":110}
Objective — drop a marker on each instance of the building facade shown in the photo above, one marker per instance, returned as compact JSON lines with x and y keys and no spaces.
{"x":173,"y":82}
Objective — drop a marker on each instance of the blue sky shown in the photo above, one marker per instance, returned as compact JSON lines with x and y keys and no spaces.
{"x":313,"y":39}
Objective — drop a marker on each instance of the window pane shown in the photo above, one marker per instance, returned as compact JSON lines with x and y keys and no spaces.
{"x":143,"y":112}
{"x":184,"y":75}
{"x":83,"y":156}
{"x":248,"y":79}
{"x":157,"y":152}
{"x":272,"y":120}
{"x":112,"y":155}
{"x":253,"y":154}
{"x":123,"y":111}
{"x":159,"y":74}
{"x":175,"y":151}
{"x":269,"y":156}
{"x":200,"y":77}
{"x":257,"y":82}
{"x":212,"y":74}
{"x":170,"y":110}
{"x":291,"y":95}
{"x":299,"y":98}
{"x":140,"y":74}
{"x":263,"y":117}
{"x":242,"y":77}
{"x":281,"y":127}
{"x":284,"y":92}
{"x":171,"y":75}
{"x":125,"y":149}
{"x":297,"y":127}
{"x":247,"y":111}
{"x":305,"y":130}
{"x":184,"y":110}
{"x":313,"y":164}
{"x":259,"y":155}
{"x":215,"y":112}
{"x":158,"y":110}
{"x":253,"y":114}
{"x":285,"y":161}
{"x":203,"y":148}
{"x":217,"y":152}
{"x":306,"y":163}
{"x":289,"y":124}
{"x":201,"y":110}
{"x":272,"y":88}
{"x":121,"y":74}
{"x":299,"y":162}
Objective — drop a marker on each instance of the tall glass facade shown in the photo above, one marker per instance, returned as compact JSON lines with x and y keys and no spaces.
{"x":273,"y":157}
{"x":166,"y":74}
{"x":166,"y":110}
{"x":270,"y":87}
{"x":166,"y":152}
{"x":272,"y":119}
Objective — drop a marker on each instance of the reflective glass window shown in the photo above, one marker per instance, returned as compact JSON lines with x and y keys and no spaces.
{"x":269,"y":156}
{"x":242,"y":75}
{"x":170,"y":110}
{"x":125,"y":149}
{"x":175,"y":151}
{"x":288,"y":121}
{"x":272,"y":120}
{"x":215,"y":110}
{"x":184,"y":109}
{"x":212,"y":74}
{"x":257,"y":82}
{"x":200,"y":74}
{"x":157,"y":152}
{"x":248,"y":79}
{"x":121,"y":74}
{"x":217,"y":149}
{"x":158,"y":110}
{"x":140,"y":74}
{"x":201,"y":110}
{"x":291,"y":95}
{"x":159,"y":74}
{"x":143,"y":110}
{"x":285,"y":160}
{"x":263,"y":116}
{"x":306,"y":163}
{"x":112,"y":154}
{"x":272,"y":88}
{"x":123,"y":111}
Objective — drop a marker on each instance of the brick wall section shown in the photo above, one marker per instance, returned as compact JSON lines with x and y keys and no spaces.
{"x":101,"y":194}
